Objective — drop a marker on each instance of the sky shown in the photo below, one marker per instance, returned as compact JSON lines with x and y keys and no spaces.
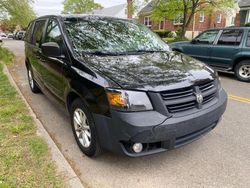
{"x":45,"y":7}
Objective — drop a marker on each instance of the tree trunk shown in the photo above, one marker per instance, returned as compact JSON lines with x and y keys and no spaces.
{"x":130,"y":8}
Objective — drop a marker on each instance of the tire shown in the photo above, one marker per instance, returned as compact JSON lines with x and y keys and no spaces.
{"x":32,"y":83}
{"x":242,"y":71}
{"x":86,"y":135}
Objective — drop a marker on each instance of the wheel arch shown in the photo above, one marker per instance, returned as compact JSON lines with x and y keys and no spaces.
{"x":238,"y":60}
{"x":71,"y":96}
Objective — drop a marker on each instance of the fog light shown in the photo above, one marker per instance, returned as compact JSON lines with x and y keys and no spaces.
{"x":137,"y":147}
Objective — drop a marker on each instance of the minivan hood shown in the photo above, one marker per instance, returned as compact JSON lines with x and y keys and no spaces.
{"x":152,"y":71}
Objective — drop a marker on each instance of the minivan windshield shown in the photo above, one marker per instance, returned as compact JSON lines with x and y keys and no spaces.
{"x":99,"y":35}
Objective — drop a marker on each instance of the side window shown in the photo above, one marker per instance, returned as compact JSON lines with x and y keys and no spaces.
{"x":248,"y":40}
{"x":230,"y":37}
{"x":207,"y":37}
{"x":53,"y":34}
{"x":28,"y":35}
{"x":38,"y":32}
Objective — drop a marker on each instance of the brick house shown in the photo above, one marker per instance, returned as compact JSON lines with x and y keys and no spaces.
{"x":201,"y":21}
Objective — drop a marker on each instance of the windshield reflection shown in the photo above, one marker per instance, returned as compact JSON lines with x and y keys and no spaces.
{"x":101,"y":35}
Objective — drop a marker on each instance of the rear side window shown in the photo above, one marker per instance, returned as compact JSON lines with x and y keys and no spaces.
{"x":248,"y":39}
{"x":230,"y":37}
{"x":38,"y":32}
{"x":28,"y":35}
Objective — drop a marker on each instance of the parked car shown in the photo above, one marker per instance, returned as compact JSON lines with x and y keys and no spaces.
{"x":124,"y":89}
{"x":20,"y":35}
{"x":225,"y":49}
{"x":3,"y":36}
{"x":10,"y":36}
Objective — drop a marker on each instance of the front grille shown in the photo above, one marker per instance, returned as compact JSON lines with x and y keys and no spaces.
{"x":184,"y":99}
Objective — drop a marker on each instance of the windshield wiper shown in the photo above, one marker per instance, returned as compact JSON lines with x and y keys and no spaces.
{"x":100,"y":53}
{"x":146,"y":51}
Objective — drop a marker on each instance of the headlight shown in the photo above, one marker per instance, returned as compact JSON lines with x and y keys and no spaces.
{"x":130,"y":101}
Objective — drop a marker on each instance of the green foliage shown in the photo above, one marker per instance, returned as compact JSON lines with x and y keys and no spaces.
{"x":7,"y":25}
{"x":178,"y":32}
{"x":164,"y":33}
{"x":79,"y":6}
{"x":20,"y":12}
{"x":24,"y":157}
{"x":247,"y":24}
{"x":5,"y":55}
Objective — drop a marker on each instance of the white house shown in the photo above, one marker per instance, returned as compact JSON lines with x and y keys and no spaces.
{"x":119,"y":11}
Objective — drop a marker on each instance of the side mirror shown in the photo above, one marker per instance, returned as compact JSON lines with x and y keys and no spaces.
{"x":51,"y":49}
{"x":194,"y":41}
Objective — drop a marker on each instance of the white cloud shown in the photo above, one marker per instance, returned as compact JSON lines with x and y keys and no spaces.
{"x":45,"y":7}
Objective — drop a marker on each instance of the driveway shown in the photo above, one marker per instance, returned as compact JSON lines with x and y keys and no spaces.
{"x":219,"y":159}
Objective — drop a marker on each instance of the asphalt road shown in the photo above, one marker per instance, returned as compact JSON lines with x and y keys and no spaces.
{"x":219,"y":159}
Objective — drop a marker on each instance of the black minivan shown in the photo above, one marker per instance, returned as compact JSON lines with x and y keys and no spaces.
{"x":124,"y":89}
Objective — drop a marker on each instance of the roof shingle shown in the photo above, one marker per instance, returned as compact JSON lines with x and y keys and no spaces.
{"x":244,"y":3}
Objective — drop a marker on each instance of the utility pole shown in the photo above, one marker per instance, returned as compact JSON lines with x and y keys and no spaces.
{"x":130,"y":9}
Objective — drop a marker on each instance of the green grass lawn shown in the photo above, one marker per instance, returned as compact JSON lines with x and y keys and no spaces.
{"x":24,"y":157}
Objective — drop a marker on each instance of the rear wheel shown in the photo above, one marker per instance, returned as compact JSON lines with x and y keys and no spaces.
{"x":32,"y":83}
{"x":84,"y":129}
{"x":242,"y":71}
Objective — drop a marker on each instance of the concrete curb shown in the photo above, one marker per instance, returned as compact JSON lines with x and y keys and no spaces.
{"x":63,"y":167}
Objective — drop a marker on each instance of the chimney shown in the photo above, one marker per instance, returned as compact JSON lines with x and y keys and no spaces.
{"x":130,"y":9}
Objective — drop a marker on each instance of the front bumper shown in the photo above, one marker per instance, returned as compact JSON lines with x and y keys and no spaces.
{"x":157,"y":132}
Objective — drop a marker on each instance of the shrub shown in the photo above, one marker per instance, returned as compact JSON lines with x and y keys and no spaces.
{"x":247,"y":24}
{"x":164,"y":33}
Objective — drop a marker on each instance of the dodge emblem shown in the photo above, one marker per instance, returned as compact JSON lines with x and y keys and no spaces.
{"x":199,"y":98}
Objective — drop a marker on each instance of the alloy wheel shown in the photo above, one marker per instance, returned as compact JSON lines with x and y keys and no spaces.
{"x":82,"y":128}
{"x":244,"y":71}
{"x":30,"y":77}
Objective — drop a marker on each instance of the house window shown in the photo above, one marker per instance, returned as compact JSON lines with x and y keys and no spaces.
{"x":178,"y":19}
{"x":219,"y":18}
{"x":233,"y":21}
{"x":161,"y":25}
{"x":202,"y":16}
{"x":248,"y":17}
{"x":147,"y":21}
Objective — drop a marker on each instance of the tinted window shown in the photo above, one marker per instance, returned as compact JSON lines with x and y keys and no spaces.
{"x":248,"y":39}
{"x":230,"y":37}
{"x":28,"y":35}
{"x":53,"y":33}
{"x":38,"y":32}
{"x":207,"y":37}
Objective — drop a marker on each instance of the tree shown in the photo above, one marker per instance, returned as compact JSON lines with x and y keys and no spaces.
{"x":7,"y":25}
{"x":19,"y":12}
{"x":186,"y":9}
{"x":79,"y":6}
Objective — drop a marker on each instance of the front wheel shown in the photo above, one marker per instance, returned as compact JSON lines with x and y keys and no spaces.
{"x":242,"y":71}
{"x":84,"y":129}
